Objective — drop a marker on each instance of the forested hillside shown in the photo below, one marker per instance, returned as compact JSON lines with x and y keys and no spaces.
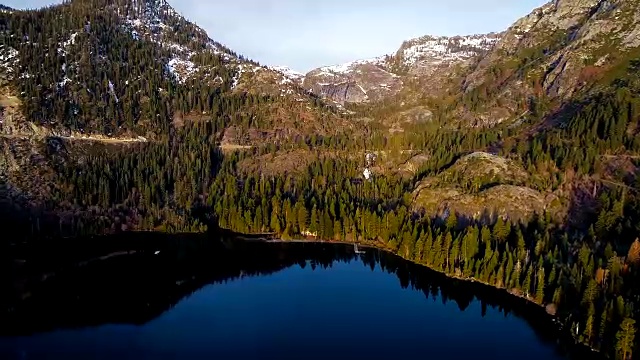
{"x":137,"y":68}
{"x":515,"y":179}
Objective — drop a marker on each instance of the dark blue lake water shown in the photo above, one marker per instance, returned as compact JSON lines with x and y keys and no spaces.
{"x":314,"y":303}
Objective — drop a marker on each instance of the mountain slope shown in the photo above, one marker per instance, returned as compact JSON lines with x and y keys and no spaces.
{"x":375,"y":79}
{"x":565,"y":50}
{"x":130,"y":69}
{"x":82,"y":90}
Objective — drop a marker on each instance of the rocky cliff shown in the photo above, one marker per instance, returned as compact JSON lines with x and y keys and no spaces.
{"x":354,"y":82}
{"x":371,"y":80}
{"x":562,"y":50}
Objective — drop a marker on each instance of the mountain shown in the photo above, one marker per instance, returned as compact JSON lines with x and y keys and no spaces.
{"x":562,"y":51}
{"x":80,"y":88}
{"x":358,"y":81}
{"x":139,"y":73}
{"x":77,"y":72}
{"x":382,"y":77}
{"x":296,"y":77}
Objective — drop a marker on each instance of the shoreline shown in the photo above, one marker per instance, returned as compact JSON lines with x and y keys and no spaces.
{"x":553,"y":319}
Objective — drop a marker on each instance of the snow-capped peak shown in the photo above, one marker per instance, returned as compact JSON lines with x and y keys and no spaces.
{"x":350,"y":66}
{"x":288,"y":72}
{"x":445,"y":48}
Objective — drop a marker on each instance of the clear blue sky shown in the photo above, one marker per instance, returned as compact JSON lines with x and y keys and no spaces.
{"x":304,"y":34}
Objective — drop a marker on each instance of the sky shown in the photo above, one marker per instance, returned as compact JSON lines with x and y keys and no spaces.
{"x":306,"y":34}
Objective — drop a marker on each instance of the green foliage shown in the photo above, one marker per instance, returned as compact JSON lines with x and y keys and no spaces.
{"x":625,"y":338}
{"x":179,"y":184}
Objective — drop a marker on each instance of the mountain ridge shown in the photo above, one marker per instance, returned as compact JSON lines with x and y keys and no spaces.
{"x":178,"y":56}
{"x":377,"y":78}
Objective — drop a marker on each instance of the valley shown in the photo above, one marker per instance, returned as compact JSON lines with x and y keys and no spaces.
{"x":510,"y":158}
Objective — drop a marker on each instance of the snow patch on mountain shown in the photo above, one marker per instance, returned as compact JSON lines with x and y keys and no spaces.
{"x":62,"y":50}
{"x":290,"y":74}
{"x":112,"y":90}
{"x":64,"y":82}
{"x":350,"y":67}
{"x":152,"y":20}
{"x":181,"y":69}
{"x":445,"y":49}
{"x":245,"y":69}
{"x":8,"y":60}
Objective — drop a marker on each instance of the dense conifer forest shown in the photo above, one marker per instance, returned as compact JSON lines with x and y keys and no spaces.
{"x":587,"y":275}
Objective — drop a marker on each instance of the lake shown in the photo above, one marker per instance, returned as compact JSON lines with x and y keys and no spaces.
{"x":269,"y":301}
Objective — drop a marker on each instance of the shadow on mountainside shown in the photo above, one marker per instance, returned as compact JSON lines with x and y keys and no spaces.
{"x":15,"y":215}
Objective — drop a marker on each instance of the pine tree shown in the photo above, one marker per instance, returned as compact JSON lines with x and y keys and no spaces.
{"x":633,"y":256}
{"x":625,"y":338}
{"x":540,"y":285}
{"x":313,"y":223}
{"x":337,"y":230}
{"x":589,"y":325}
{"x":275,"y":223}
{"x":526,"y":283}
{"x":302,"y":218}
{"x":452,"y":221}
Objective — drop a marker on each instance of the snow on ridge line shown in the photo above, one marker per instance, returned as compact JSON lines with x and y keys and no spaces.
{"x":287,"y":71}
{"x":442,"y":48}
{"x":290,"y":76}
{"x":347,"y":67}
{"x":446,"y":48}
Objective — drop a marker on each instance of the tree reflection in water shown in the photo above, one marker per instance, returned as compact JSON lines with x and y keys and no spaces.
{"x":137,"y":288}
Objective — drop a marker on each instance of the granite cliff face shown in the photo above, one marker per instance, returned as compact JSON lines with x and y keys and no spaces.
{"x":427,"y":55}
{"x":564,"y":49}
{"x":561,"y":50}
{"x":379,"y":78}
{"x":354,"y":82}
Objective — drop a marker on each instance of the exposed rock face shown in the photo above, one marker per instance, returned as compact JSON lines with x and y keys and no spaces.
{"x":354,"y":82}
{"x":348,"y":91}
{"x":417,"y":115}
{"x":495,"y":187}
{"x":558,"y":51}
{"x":427,"y":57}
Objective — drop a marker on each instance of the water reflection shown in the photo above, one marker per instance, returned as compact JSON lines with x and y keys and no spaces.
{"x":140,"y":287}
